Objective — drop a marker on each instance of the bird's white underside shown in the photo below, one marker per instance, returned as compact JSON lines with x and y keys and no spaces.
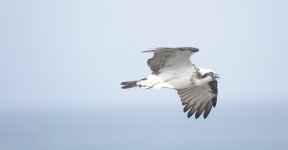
{"x":175,"y":79}
{"x":177,"y":74}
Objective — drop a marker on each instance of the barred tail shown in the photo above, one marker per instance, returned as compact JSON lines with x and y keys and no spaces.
{"x":130,"y":84}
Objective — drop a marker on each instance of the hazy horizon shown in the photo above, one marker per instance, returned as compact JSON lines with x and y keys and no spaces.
{"x":62,"y":62}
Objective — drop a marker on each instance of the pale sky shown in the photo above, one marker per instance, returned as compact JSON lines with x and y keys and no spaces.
{"x":61,"y":63}
{"x":75,"y":53}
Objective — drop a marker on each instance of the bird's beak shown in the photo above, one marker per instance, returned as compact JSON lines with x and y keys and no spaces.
{"x":216,"y":76}
{"x":195,"y":50}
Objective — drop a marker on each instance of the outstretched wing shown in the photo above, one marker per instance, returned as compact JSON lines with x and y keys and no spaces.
{"x":170,"y":58}
{"x":199,"y":99}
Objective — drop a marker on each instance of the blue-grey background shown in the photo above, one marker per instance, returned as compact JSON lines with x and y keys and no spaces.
{"x":61,"y":63}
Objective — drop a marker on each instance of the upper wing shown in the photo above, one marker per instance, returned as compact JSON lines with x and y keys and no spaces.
{"x":199,"y":99}
{"x":169,"y":58}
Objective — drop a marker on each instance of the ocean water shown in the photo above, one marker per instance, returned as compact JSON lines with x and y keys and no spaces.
{"x":229,"y":126}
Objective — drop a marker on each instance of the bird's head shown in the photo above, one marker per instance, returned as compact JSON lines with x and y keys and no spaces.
{"x":213,"y":75}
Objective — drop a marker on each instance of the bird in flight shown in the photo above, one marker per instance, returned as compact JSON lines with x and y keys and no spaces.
{"x":172,"y":68}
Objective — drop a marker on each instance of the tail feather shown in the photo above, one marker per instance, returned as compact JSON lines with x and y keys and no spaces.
{"x":128,"y":84}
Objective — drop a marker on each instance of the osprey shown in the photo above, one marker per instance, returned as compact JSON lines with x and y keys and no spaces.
{"x":172,"y":68}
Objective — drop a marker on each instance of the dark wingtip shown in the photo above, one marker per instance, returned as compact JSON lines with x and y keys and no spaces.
{"x":214,"y":101}
{"x":197,"y":115}
{"x":149,"y":51}
{"x":205,"y":115}
{"x":191,"y":112}
{"x":186,"y":108}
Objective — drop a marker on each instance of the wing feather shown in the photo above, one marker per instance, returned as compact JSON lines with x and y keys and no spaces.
{"x":166,"y":57}
{"x":186,"y":95}
{"x":199,"y":99}
{"x":200,"y":110}
{"x":193,"y":109}
{"x":214,"y":101}
{"x":207,"y":109}
{"x":191,"y":102}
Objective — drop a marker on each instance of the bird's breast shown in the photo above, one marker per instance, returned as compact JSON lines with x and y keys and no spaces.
{"x":179,"y":79}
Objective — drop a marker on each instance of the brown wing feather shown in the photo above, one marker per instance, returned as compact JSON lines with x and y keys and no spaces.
{"x":199,"y":100}
{"x":163,"y":55}
{"x":207,"y":109}
{"x":159,"y":58}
